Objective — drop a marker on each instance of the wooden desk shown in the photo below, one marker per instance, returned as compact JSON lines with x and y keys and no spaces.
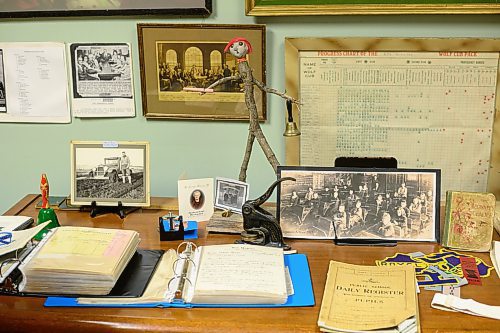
{"x":27,"y":314}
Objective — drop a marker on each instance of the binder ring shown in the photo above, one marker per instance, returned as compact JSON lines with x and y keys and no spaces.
{"x":178,"y":277}
{"x":5,"y":262}
{"x":190,"y":246}
{"x":174,"y":265}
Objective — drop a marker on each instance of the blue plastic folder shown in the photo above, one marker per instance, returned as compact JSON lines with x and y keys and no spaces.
{"x":299,"y":272}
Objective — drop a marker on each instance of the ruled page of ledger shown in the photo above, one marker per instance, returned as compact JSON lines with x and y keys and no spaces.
{"x":427,"y":109}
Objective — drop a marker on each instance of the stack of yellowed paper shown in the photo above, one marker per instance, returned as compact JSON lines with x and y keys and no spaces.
{"x":78,"y":260}
{"x":369,"y":299}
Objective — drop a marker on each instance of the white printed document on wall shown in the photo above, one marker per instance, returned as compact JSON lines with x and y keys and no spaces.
{"x":33,"y":83}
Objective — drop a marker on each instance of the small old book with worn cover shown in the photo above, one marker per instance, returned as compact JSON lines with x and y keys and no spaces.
{"x":369,"y":299}
{"x":468,"y":223}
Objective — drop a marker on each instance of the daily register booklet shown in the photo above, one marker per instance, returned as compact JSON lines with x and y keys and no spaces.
{"x":369,"y":299}
{"x":232,"y":275}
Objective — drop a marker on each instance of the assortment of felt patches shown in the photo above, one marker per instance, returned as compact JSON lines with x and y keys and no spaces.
{"x":443,"y":268}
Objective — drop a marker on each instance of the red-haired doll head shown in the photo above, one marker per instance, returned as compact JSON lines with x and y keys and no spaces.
{"x":238,"y":47}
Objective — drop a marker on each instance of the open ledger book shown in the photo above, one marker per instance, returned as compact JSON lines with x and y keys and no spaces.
{"x":369,"y":299}
{"x":78,"y":261}
{"x":236,"y":273}
{"x":215,"y":274}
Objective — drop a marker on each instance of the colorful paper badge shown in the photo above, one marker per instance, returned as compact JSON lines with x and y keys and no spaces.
{"x":437,"y":269}
{"x":470,"y":271}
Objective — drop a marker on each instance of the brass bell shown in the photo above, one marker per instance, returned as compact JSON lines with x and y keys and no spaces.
{"x":291,"y":128}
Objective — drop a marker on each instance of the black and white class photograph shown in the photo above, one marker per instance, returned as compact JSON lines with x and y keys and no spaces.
{"x":3,"y":103}
{"x":109,"y":174}
{"x":329,"y":203}
{"x":230,"y":194}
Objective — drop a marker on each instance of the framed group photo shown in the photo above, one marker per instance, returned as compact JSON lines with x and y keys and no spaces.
{"x":230,"y":194}
{"x":178,"y":56}
{"x":336,"y":203}
{"x":110,"y":172}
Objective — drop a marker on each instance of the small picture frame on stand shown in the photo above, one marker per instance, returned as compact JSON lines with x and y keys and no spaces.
{"x":230,"y":194}
{"x":110,"y":173}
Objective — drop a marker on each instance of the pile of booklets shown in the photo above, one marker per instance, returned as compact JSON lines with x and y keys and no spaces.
{"x":78,"y":261}
{"x":369,"y":299}
{"x":12,"y":223}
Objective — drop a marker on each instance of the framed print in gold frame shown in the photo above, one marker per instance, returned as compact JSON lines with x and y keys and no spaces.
{"x":370,"y":7}
{"x":177,"y":56}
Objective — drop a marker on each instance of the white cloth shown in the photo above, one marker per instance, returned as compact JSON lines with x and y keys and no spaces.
{"x":469,"y":306}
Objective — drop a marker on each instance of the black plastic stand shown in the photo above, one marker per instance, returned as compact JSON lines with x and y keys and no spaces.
{"x":364,"y":242}
{"x":119,"y":210}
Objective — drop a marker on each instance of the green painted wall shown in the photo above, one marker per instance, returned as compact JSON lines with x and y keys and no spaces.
{"x":194,"y":148}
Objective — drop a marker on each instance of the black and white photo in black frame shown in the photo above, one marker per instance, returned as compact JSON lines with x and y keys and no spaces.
{"x":110,"y":172}
{"x":230,"y":194}
{"x":3,"y":98}
{"x":324,"y":203}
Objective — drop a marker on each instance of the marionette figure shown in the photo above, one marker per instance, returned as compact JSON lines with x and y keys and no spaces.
{"x":46,"y":213}
{"x":239,"y":47}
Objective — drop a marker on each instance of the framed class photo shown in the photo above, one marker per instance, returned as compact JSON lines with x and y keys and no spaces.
{"x":110,"y":172}
{"x":330,"y":203}
{"x":230,"y":194}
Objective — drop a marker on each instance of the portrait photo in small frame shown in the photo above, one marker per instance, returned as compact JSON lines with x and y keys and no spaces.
{"x":230,"y":194}
{"x":336,"y":203}
{"x":110,"y":172}
{"x":177,"y":56}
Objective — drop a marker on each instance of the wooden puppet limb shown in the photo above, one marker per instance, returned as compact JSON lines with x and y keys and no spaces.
{"x":264,"y":88}
{"x":223,"y":80}
{"x":246,"y":158}
{"x":266,"y":148}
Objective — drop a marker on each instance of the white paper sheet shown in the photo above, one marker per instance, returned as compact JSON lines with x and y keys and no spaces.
{"x":36,"y":83}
